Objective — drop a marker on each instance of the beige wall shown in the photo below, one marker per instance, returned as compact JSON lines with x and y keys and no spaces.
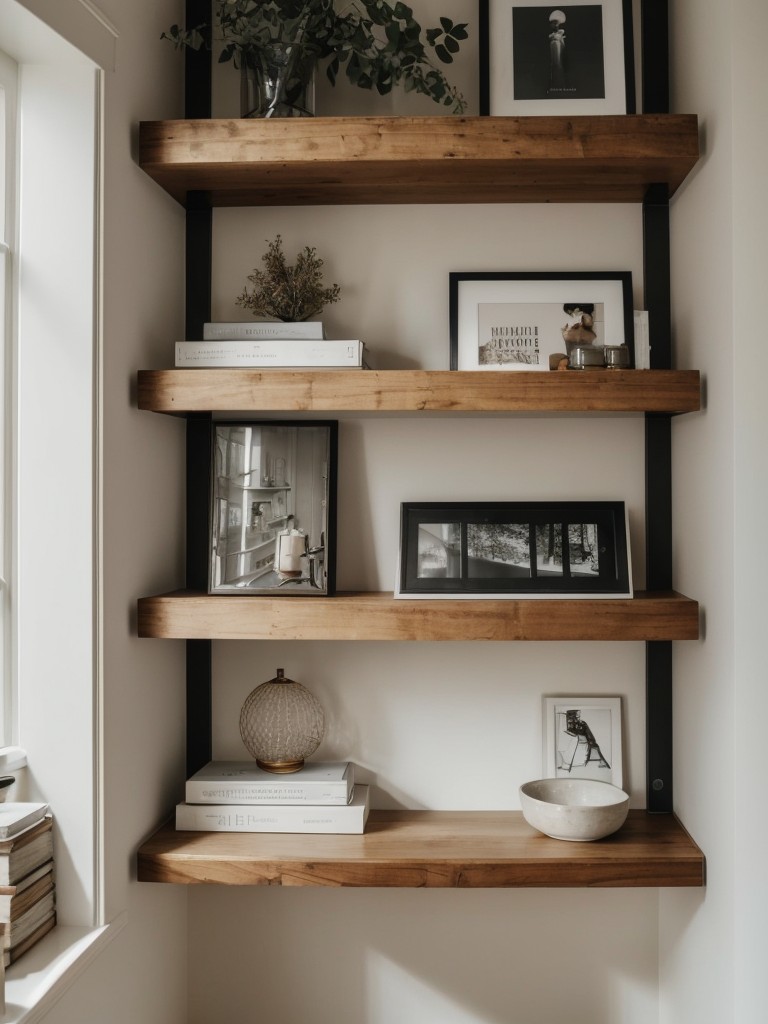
{"x":141,"y":976}
{"x":712,"y":967}
{"x":431,"y":725}
{"x":445,"y":725}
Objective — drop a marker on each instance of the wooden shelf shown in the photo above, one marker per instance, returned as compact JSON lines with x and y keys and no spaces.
{"x":343,"y":160}
{"x":371,"y":616}
{"x":439,"y":849}
{"x":240,"y":390}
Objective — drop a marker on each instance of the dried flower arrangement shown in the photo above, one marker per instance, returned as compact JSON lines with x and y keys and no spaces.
{"x":285,"y":292}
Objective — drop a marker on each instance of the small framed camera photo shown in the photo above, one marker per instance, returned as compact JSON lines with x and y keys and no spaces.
{"x":583,"y":739}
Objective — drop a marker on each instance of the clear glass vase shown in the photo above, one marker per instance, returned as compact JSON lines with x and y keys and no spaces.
{"x":277,"y":80}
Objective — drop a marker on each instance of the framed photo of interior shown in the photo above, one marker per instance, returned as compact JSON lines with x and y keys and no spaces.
{"x":538,"y":57}
{"x":273,"y":507}
{"x":515,"y":549}
{"x":508,"y":320}
{"x":582,"y":739}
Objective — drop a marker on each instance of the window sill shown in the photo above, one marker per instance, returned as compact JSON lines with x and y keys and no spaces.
{"x":41,"y":976}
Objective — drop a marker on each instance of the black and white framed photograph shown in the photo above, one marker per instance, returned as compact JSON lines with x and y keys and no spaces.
{"x":273,"y":508}
{"x":582,"y":739}
{"x":526,"y":320}
{"x":518,"y":549}
{"x":540,"y":58}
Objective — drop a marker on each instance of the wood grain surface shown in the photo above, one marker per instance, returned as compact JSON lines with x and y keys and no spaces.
{"x":465,"y":849}
{"x":340,"y":160}
{"x":378,"y":616}
{"x":241,"y":390}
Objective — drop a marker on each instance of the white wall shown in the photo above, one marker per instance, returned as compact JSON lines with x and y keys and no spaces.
{"x":751,"y":495}
{"x":444,"y":725}
{"x":433,"y":725}
{"x":712,"y":955}
{"x":142,"y":974}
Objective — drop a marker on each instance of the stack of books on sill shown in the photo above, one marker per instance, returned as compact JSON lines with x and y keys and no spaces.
{"x":238,"y":796}
{"x":27,"y":890}
{"x":295,"y":346}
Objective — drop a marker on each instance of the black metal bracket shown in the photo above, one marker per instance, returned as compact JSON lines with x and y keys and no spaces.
{"x":658,"y":500}
{"x":199,"y":237}
{"x":658,"y":428}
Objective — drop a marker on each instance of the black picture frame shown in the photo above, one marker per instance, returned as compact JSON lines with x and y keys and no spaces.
{"x":509,"y":89}
{"x":515,"y":549}
{"x":530,"y":330}
{"x":273,"y":507}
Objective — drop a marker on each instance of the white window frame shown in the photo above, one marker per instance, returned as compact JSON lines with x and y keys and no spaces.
{"x":55,"y":459}
{"x":8,"y":158}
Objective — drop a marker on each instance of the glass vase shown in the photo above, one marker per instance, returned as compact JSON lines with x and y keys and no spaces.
{"x":277,"y":80}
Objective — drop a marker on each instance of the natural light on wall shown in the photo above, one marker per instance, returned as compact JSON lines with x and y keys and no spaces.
{"x":7,"y":195}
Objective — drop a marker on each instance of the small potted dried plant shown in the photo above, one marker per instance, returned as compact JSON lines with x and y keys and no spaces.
{"x":286,"y":292}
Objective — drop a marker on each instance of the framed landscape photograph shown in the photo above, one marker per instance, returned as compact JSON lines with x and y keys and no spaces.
{"x":508,"y":320}
{"x":543,"y":58}
{"x":520,"y":549}
{"x":273,"y":508}
{"x":582,"y":739}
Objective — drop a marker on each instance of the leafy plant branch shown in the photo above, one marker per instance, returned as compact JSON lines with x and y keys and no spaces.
{"x":377,"y":45}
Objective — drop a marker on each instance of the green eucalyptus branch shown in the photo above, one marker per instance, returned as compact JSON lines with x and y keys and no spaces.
{"x":374,"y":43}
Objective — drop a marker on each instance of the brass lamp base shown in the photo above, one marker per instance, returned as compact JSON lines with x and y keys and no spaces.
{"x":281,"y":767}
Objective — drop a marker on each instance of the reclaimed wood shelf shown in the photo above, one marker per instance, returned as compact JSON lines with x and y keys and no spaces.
{"x":190,"y":615}
{"x":347,"y":160}
{"x":434,"y":849}
{"x":232,"y":390}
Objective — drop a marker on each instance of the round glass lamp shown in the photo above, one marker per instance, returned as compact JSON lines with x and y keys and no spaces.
{"x":281,"y":723}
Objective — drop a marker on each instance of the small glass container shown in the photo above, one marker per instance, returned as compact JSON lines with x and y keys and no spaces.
{"x":617,"y":357}
{"x":281,"y":723}
{"x":586,"y":357}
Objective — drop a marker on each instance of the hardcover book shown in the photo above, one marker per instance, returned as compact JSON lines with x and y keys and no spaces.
{"x":335,"y":820}
{"x":248,"y":329}
{"x":243,"y":782}
{"x":26,"y":851}
{"x":16,"y":900}
{"x":266,"y":353}
{"x":22,"y":927}
{"x":15,"y":817}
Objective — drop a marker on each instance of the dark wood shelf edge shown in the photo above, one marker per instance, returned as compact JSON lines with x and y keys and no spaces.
{"x":342,"y":160}
{"x":434,"y":849}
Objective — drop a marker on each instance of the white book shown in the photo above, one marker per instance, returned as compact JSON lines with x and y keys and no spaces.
{"x":15,"y":817}
{"x":249,"y":329}
{"x":243,"y":782}
{"x":642,"y":340}
{"x":266,"y":353}
{"x":347,"y":820}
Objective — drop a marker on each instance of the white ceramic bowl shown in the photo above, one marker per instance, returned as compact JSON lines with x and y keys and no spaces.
{"x":578,"y":810}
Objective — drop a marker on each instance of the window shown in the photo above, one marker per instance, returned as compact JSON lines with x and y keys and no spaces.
{"x":8,"y":158}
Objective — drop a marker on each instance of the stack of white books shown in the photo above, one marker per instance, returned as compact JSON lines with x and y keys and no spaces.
{"x":263,"y":345}
{"x":238,"y":796}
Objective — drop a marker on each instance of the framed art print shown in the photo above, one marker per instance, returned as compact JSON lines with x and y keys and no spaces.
{"x":513,"y":549}
{"x":542,"y":58}
{"x":273,"y":508}
{"x":532,"y":321}
{"x":582,"y":739}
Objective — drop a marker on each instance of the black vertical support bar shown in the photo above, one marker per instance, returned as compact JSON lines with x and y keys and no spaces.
{"x":197,"y":104}
{"x":199,"y":652}
{"x":654,"y":43}
{"x":658,"y":500}
{"x":197,"y":63}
